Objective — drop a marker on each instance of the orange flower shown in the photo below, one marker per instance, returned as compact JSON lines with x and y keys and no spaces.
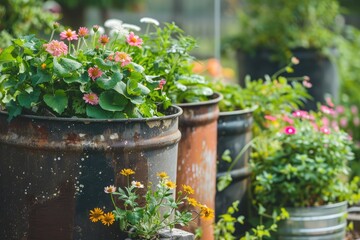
{"x":108,"y":218}
{"x":127,"y":172}
{"x":206,"y":213}
{"x":96,"y":214}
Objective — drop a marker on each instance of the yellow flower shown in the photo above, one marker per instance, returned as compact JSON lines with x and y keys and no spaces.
{"x":137,"y":184}
{"x":127,"y":172}
{"x":192,"y":201}
{"x":188,"y":189}
{"x":96,"y":214}
{"x":162,"y":175}
{"x":43,"y":66}
{"x":110,"y":189}
{"x":108,"y":218}
{"x":170,"y":184}
{"x":206,"y":213}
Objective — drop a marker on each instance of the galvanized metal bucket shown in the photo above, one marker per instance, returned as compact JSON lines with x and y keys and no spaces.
{"x":197,"y":156}
{"x":315,"y":223}
{"x":234,"y":134}
{"x":54,"y":170}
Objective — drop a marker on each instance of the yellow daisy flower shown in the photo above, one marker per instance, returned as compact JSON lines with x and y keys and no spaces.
{"x":108,"y":219}
{"x":170,"y":184}
{"x":96,"y":214}
{"x":162,"y":175}
{"x":188,"y":189}
{"x":192,"y":201}
{"x":127,"y":172}
{"x":206,"y":213}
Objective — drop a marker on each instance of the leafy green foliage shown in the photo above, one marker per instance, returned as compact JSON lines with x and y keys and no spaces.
{"x":281,"y":26}
{"x":302,"y":160}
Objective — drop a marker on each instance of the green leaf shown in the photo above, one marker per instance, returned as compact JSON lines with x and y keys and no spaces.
{"x":226,"y":156}
{"x":132,"y":88}
{"x":102,"y":64}
{"x":13,"y":110}
{"x":57,"y":101}
{"x":40,"y":77}
{"x":112,"y":101}
{"x":64,"y":67}
{"x":97,"y":112}
{"x":223,"y":182}
{"x":120,"y":87}
{"x":6,"y":56}
{"x":26,"y":99}
{"x":107,"y":83}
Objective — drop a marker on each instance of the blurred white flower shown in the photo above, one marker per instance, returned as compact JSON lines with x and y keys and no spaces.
{"x":150,"y":20}
{"x":113,"y":23}
{"x":101,"y":31}
{"x":119,"y":32}
{"x":131,"y":27}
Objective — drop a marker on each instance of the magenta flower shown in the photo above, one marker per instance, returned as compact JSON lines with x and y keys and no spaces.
{"x":91,"y":98}
{"x":161,"y":84}
{"x":325,"y":109}
{"x":83,"y":32}
{"x":104,"y":39}
{"x":343,"y":122}
{"x":122,"y":57}
{"x":94,"y":72}
{"x":325,"y":130}
{"x":56,"y":48}
{"x":68,"y":35}
{"x":134,"y":40}
{"x":289,"y":130}
{"x":300,"y":114}
{"x":270,"y":118}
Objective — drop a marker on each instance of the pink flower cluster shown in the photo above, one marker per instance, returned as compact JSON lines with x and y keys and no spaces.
{"x":121,"y":57}
{"x":56,"y":48}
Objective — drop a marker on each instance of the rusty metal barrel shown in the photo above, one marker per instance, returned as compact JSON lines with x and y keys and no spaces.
{"x":197,"y":156}
{"x":235,"y":135}
{"x":54,"y":170}
{"x":326,"y":222}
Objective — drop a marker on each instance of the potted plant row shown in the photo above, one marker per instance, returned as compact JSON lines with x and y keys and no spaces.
{"x":76,"y":110}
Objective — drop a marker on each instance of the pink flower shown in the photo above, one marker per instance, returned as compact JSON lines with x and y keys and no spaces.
{"x":300,"y":114}
{"x":356,"y":121}
{"x":325,"y":130}
{"x":270,"y":118}
{"x":134,"y":40}
{"x":288,"y":120}
{"x":104,"y":39}
{"x":161,"y":84}
{"x":69,"y":35}
{"x":289,"y":130}
{"x":325,"y":109}
{"x":94,"y":72}
{"x":329,"y":102}
{"x":340,"y":109}
{"x":325,"y":121}
{"x":307,"y":84}
{"x":91,"y":98}
{"x":83,"y":32}
{"x":56,"y":48}
{"x":295,"y":61}
{"x":354,"y":109}
{"x":343,"y":122}
{"x":122,"y":57}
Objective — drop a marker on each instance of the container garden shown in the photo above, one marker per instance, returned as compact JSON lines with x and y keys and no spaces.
{"x":196,"y":164}
{"x":61,"y":165}
{"x":234,"y":134}
{"x":323,"y":222}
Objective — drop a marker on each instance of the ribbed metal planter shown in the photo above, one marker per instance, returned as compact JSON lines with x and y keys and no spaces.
{"x":315,"y":223}
{"x":197,"y":156}
{"x":54,"y":170}
{"x":234,"y":133}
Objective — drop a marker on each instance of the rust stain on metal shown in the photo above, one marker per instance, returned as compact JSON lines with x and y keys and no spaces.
{"x":197,"y":157}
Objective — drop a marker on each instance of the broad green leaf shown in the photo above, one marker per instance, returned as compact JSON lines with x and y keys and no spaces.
{"x":57,"y":101}
{"x":107,"y":83}
{"x":112,"y":101}
{"x":13,"y":110}
{"x":84,"y":78}
{"x":64,"y":67}
{"x":97,"y":112}
{"x":226,"y":156}
{"x":40,"y":77}
{"x":5,"y":55}
{"x":120,"y":87}
{"x":132,"y":88}
{"x":26,"y":99}
{"x":102,"y":64}
{"x":223,"y":182}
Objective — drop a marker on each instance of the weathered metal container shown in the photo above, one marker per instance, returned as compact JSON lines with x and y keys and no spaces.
{"x":197,"y":156}
{"x":315,"y":223}
{"x":54,"y":170}
{"x":235,"y":135}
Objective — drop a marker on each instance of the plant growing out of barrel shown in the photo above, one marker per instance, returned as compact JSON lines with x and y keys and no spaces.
{"x":145,"y":215}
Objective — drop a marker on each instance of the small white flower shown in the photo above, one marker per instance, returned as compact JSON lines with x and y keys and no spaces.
{"x":101,"y":31}
{"x":150,"y":20}
{"x":113,"y":23}
{"x":120,"y":32}
{"x":137,"y":184}
{"x":110,"y":189}
{"x":131,"y":27}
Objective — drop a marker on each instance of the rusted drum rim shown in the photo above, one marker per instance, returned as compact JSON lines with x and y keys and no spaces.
{"x":216,"y":97}
{"x":237,"y":112}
